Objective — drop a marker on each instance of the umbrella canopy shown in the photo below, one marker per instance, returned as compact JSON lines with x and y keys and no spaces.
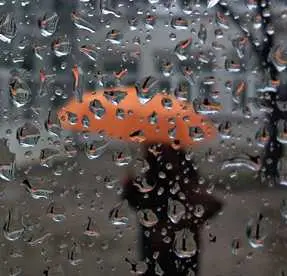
{"x":124,"y":114}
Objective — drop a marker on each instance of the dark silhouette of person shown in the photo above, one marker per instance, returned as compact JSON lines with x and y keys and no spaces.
{"x":172,"y":174}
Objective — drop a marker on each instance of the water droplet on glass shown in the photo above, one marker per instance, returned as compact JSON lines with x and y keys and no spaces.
{"x":114,"y":36}
{"x":13,"y":228}
{"x":115,"y":96}
{"x":56,"y":213}
{"x":75,"y":255}
{"x":122,"y":158}
{"x":184,"y":245}
{"x":176,"y":210}
{"x":182,"y":49}
{"x":118,"y":215}
{"x":147,"y":89}
{"x":62,"y":46}
{"x":47,"y":157}
{"x":96,"y":148}
{"x":211,"y":3}
{"x":81,"y":23}
{"x":147,"y":217}
{"x":143,"y":186}
{"x":97,"y":109}
{"x":89,"y":51}
{"x":7,"y":27}
{"x":20,"y":91}
{"x":179,"y":23}
{"x":48,"y":24}
{"x":257,"y":231}
{"x":28,"y":135}
{"x":202,"y":34}
{"x":196,"y":134}
{"x":91,"y":229}
{"x":37,"y":193}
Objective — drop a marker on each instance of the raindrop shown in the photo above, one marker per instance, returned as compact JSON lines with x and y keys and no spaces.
{"x":141,"y":183}
{"x":37,"y":193}
{"x":56,"y":213}
{"x":122,"y":158}
{"x":91,"y":229}
{"x":52,"y":124}
{"x":147,"y":89}
{"x":179,"y":23}
{"x":13,"y":228}
{"x":97,"y":109}
{"x":256,"y":231}
{"x":47,"y":156}
{"x":167,"y":103}
{"x":48,"y":24}
{"x":253,"y":164}
{"x":20,"y":91}
{"x":181,"y":49}
{"x":147,"y":217}
{"x":96,"y":148}
{"x":81,"y":23}
{"x":196,"y":134}
{"x":202,"y":34}
{"x":114,"y":36}
{"x":118,"y":215}
{"x":62,"y":47}
{"x":75,"y":255}
{"x":184,"y":245}
{"x":7,"y":27}
{"x":283,"y":209}
{"x":89,"y":51}
{"x":176,"y":210}
{"x":115,"y":96}
{"x":28,"y":135}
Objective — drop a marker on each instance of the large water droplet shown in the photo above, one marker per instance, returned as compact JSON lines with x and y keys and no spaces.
{"x":118,"y":215}
{"x":7,"y":27}
{"x":184,"y":245}
{"x":48,"y":24}
{"x":147,"y":217}
{"x":176,"y":210}
{"x":28,"y":135}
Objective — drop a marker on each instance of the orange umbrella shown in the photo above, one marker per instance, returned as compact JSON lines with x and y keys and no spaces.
{"x":132,"y":115}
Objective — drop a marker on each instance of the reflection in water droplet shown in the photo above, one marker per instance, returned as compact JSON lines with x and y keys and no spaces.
{"x":81,"y":23}
{"x":62,"y":47}
{"x":91,"y":229}
{"x":184,"y":245}
{"x":283,"y":209}
{"x":115,"y":96}
{"x":257,"y":231}
{"x":114,"y":36}
{"x":89,"y":51}
{"x":47,"y":156}
{"x":28,"y":135}
{"x":7,"y":27}
{"x":122,"y":158}
{"x":147,"y":89}
{"x":147,"y":217}
{"x":141,"y":183}
{"x":19,"y":91}
{"x":48,"y":24}
{"x":13,"y":228}
{"x":176,"y":210}
{"x":75,"y":255}
{"x":117,"y":215}
{"x":196,"y":133}
{"x":97,"y":109}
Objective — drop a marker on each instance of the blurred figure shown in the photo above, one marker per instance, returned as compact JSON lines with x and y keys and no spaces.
{"x":180,"y":203}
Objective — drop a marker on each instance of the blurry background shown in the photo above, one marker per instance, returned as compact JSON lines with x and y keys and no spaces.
{"x":60,"y":224}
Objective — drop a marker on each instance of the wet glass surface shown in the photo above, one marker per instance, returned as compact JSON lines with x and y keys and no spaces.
{"x":143,"y":137}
